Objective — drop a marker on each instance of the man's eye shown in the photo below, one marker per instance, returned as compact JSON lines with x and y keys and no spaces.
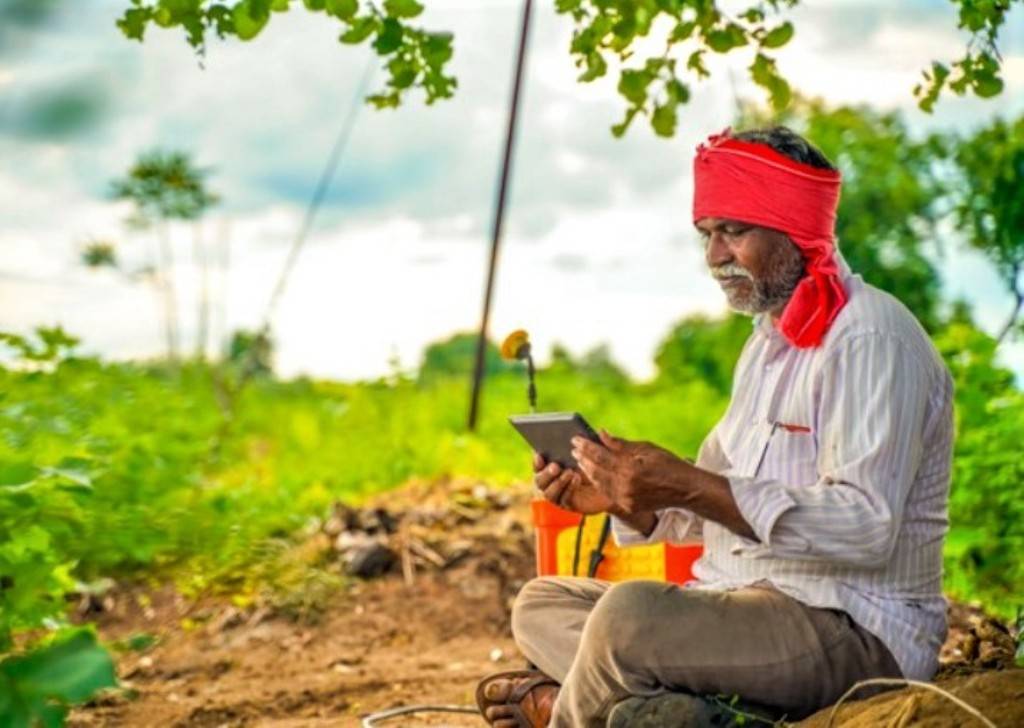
{"x":735,"y":231}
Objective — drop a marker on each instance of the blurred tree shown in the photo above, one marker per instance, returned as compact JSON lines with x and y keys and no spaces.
{"x":454,"y":356}
{"x":595,"y":366}
{"x":989,"y":202}
{"x":253,"y":351}
{"x":700,"y":348}
{"x":891,"y":199}
{"x":165,"y":186}
{"x":986,"y":510}
{"x":606,"y":30}
{"x":99,"y":254}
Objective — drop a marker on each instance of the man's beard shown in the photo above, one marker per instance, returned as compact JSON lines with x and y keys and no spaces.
{"x":766,"y":293}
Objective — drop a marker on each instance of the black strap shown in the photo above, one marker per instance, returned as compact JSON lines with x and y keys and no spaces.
{"x":576,"y":548}
{"x":597,"y":555}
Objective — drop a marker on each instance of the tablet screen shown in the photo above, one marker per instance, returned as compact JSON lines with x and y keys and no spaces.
{"x":551,"y":433}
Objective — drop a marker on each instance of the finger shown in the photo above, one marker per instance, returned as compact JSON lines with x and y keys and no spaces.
{"x":610,"y":441}
{"x":585,"y":446}
{"x":556,"y":490}
{"x":587,"y":467}
{"x":538,"y":462}
{"x":545,"y":476}
{"x":595,"y":453}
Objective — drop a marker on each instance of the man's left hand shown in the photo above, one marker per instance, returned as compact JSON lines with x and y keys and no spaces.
{"x":636,"y":476}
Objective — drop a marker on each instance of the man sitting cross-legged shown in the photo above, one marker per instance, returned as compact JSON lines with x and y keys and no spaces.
{"x":820,"y":496}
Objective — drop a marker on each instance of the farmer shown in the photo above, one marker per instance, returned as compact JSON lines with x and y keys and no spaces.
{"x":820,"y":496}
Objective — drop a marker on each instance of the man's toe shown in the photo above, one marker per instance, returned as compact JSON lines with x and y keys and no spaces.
{"x":498,"y":690}
{"x":498,"y":712}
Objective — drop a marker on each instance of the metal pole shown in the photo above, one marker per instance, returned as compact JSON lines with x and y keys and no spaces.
{"x":499,"y":215}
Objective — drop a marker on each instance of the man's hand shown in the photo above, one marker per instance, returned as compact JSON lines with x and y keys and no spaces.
{"x":639,"y":478}
{"x":568,"y":488}
{"x":635,"y":476}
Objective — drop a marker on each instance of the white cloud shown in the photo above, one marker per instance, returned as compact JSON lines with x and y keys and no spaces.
{"x":596,"y":245}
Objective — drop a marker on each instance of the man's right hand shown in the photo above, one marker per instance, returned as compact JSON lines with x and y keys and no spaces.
{"x":568,"y":488}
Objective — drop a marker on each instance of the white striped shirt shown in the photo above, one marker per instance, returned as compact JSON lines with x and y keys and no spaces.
{"x":851,"y":514}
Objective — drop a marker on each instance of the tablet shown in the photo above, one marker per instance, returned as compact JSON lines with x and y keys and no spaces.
{"x":551,"y":433}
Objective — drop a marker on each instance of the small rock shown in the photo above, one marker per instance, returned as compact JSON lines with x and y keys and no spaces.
{"x":497,"y":654}
{"x":370,"y":560}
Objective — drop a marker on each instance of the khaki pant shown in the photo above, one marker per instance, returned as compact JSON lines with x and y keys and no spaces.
{"x":606,"y":642}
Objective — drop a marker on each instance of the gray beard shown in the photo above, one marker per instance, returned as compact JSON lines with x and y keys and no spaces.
{"x":773,"y":290}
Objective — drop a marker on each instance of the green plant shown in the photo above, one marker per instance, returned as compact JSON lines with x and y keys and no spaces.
{"x":607,"y":32}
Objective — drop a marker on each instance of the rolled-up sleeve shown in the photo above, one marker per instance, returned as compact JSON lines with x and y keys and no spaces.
{"x":870,"y":426}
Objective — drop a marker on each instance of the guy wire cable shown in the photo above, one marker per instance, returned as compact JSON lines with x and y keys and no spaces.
{"x":230,"y":393}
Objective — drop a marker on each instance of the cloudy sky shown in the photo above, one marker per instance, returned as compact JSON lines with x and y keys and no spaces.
{"x":599,"y":247}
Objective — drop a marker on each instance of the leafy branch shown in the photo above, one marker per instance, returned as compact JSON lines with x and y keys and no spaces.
{"x":606,"y":30}
{"x":978,"y":69}
{"x":416,"y":58}
{"x":657,"y":87}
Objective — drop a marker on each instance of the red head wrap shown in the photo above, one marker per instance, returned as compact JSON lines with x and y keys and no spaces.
{"x":751,"y":182}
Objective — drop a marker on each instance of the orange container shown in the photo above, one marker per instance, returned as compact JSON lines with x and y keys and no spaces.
{"x":556,"y":530}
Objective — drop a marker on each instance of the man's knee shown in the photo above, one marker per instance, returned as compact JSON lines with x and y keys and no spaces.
{"x":530,"y":602}
{"x":624,"y":619}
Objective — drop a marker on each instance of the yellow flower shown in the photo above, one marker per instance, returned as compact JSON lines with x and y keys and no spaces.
{"x":516,"y":345}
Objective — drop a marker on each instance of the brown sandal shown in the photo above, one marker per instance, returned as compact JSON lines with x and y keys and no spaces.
{"x":523,"y":703}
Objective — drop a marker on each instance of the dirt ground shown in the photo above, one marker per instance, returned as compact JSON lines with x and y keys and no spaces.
{"x":423,"y":632}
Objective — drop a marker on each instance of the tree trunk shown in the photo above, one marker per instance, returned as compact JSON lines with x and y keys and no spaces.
{"x":224,"y":266}
{"x":1018,"y":297}
{"x":167,"y":286}
{"x":203,"y":324}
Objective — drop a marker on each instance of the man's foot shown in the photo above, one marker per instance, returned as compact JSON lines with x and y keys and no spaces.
{"x":517,"y":699}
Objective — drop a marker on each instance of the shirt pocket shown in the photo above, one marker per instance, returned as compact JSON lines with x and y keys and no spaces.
{"x":790,"y":455}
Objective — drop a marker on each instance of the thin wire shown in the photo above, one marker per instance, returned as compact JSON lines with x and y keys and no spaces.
{"x":917,"y":683}
{"x":228,"y":394}
{"x":322,"y":187}
{"x":372,"y":719}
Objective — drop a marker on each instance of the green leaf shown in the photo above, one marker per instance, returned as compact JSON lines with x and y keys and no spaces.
{"x":618,"y":130}
{"x":389,"y":38}
{"x":402,"y":8}
{"x":74,"y":470}
{"x":437,"y":49}
{"x":725,"y":39}
{"x":133,"y":22}
{"x":633,"y":85}
{"x":678,"y":91}
{"x":315,"y":5}
{"x":248,"y":22}
{"x":344,"y":9}
{"x":988,"y":86}
{"x":17,"y":473}
{"x":360,"y":30}
{"x":403,"y":72}
{"x":778,"y":37}
{"x":664,"y":119}
{"x":67,"y":671}
{"x":138,"y":642}
{"x":682,"y":31}
{"x":596,"y":67}
{"x":764,"y":74}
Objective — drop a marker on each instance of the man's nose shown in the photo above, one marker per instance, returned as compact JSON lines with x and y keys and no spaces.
{"x":717,"y":252}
